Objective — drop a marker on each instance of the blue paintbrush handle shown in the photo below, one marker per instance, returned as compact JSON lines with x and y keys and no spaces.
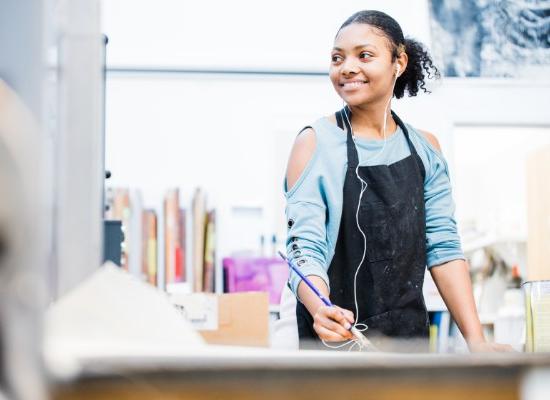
{"x":307,"y":281}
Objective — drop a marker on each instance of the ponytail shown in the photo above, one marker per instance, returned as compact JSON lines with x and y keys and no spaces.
{"x":419,"y":68}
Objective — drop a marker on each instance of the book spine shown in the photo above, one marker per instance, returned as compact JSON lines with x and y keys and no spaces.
{"x":152,"y":248}
{"x":198,"y":239}
{"x":180,"y":248}
{"x":209,"y":253}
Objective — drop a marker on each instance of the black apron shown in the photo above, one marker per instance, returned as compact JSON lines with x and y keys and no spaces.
{"x":389,"y":282}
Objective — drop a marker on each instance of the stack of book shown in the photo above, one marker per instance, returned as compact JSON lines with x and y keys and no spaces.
{"x":143,"y":231}
{"x":139,"y":225}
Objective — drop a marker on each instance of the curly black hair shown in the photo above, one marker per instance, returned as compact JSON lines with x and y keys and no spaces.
{"x":420,"y":65}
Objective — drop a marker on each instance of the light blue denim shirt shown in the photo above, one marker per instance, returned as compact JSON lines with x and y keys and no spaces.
{"x":314,"y":203}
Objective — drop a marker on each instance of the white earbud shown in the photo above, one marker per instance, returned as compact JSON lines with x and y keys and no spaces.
{"x":398,"y":70}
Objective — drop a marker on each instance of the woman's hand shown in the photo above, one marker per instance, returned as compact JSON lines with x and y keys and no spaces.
{"x":332,"y":324}
{"x":488,"y":347}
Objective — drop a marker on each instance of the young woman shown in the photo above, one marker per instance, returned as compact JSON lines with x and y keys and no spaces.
{"x":369,"y":201}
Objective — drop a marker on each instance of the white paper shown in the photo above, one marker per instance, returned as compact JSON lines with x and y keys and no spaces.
{"x":200,"y":309}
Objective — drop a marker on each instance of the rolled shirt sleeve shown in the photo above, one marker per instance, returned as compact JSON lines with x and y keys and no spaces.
{"x":306,"y":243}
{"x":442,"y":239}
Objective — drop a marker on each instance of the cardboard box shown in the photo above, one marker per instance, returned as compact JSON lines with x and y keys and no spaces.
{"x":239,"y":319}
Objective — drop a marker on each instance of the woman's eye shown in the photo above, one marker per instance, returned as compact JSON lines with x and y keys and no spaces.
{"x":336,"y":58}
{"x":364,"y":55}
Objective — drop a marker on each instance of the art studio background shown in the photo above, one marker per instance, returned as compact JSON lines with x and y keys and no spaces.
{"x":155,"y":134}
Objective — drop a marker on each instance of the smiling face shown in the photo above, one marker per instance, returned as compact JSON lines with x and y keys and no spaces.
{"x":362,"y":71}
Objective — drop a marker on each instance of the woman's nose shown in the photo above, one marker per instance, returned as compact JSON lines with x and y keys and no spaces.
{"x":349,"y":66}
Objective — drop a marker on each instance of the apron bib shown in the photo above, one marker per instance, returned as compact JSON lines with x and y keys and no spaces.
{"x":390,"y":280}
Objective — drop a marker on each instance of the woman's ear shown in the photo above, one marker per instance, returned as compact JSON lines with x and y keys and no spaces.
{"x":402,"y":61}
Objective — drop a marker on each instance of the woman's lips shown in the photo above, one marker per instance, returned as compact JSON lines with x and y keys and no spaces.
{"x":352,"y":85}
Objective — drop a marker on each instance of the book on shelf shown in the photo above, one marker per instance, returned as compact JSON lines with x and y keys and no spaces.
{"x":174,"y":238}
{"x":149,"y":246}
{"x":169,"y":217}
{"x":180,"y":273}
{"x":210,"y":252}
{"x":199,"y":219}
{"x":118,"y":202}
{"x":134,"y":233}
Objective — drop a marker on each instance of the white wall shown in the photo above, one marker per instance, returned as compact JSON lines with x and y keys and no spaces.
{"x":491,"y":178}
{"x":283,"y":34}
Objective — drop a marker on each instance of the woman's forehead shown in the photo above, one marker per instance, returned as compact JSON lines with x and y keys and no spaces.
{"x":357,"y":34}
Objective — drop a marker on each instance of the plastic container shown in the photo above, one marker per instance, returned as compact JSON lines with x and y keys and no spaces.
{"x":537,"y":315}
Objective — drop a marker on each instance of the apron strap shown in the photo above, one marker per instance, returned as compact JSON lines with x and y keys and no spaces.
{"x":405,"y":131}
{"x":419,"y":162}
{"x":353,"y":157}
{"x":339,"y":120}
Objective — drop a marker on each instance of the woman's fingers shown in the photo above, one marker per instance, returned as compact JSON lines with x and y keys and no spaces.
{"x":488,"y":347}
{"x":505,"y":348}
{"x":336,"y":314}
{"x":335,"y":327}
{"x":328,"y":335}
{"x":332,"y":319}
{"x":348,"y":314}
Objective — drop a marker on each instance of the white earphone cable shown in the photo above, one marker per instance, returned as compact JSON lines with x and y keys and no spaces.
{"x":362,"y":327}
